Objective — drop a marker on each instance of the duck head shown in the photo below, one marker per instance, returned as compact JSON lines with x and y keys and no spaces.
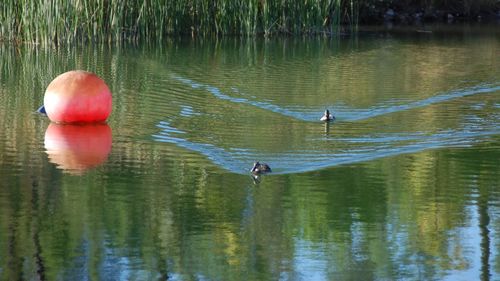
{"x":255,"y":168}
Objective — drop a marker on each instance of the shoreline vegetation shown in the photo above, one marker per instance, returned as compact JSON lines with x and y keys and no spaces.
{"x":56,"y":22}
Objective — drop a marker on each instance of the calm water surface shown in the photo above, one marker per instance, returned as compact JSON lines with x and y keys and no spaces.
{"x":404,"y":185}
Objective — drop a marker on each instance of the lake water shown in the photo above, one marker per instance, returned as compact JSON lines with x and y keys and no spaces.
{"x":403,"y":185}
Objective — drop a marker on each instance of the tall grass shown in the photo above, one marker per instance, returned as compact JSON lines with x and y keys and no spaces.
{"x":62,"y":21}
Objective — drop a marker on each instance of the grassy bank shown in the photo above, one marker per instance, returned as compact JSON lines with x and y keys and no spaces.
{"x":62,"y":21}
{"x":43,"y":21}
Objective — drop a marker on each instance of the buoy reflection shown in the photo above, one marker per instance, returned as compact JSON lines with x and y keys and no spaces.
{"x":77,"y":148}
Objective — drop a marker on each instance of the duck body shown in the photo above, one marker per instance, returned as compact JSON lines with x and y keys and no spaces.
{"x":260,"y":168}
{"x":327,"y":116}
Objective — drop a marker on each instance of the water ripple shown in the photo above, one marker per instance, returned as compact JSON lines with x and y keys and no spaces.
{"x":360,"y":114}
{"x":238,"y":160}
{"x":228,"y":146}
{"x":342,"y":112}
{"x":221,"y":157}
{"x":264,"y":105}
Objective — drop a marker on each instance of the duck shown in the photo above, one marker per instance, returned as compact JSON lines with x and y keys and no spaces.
{"x":260,"y":168}
{"x":327,"y":116}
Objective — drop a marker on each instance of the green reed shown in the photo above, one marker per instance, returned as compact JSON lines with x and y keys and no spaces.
{"x":62,"y":21}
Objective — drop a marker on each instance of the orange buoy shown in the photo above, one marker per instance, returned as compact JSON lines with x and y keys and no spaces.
{"x":76,"y":148}
{"x":77,"y":97}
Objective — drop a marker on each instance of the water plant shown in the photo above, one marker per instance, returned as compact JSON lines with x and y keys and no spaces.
{"x":61,"y":21}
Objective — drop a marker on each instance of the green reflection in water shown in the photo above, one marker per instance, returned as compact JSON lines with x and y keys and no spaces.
{"x":188,"y":209}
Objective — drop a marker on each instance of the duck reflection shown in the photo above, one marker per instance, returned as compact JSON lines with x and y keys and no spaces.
{"x":256,"y":178}
{"x":327,"y":128}
{"x":77,"y":148}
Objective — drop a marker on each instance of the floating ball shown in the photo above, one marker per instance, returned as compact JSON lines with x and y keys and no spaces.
{"x":76,"y":148}
{"x":77,"y":97}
